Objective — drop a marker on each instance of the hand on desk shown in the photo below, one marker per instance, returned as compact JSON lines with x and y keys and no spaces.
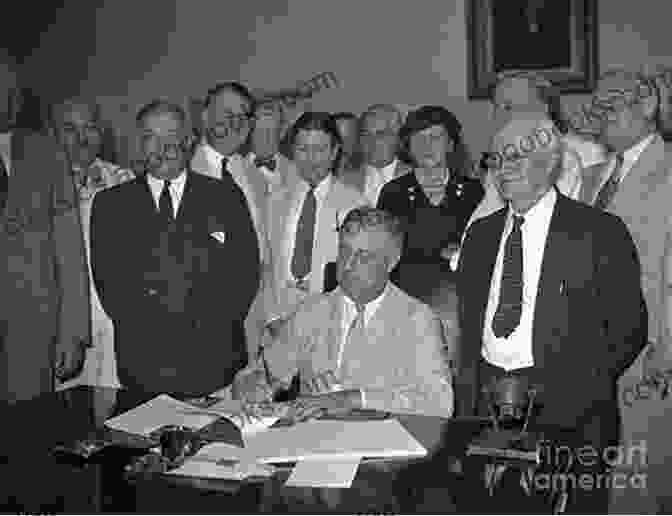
{"x":322,"y":383}
{"x":332,"y":403}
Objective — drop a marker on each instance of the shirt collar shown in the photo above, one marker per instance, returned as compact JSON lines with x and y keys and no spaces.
{"x":369,"y":309}
{"x":177,"y":184}
{"x":214,"y":157}
{"x":540,"y":210}
{"x":631,"y":156}
{"x":322,"y":189}
{"x":387,"y":171}
{"x":95,"y":163}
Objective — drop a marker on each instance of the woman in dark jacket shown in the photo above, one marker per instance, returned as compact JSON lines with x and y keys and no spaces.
{"x":435,"y":199}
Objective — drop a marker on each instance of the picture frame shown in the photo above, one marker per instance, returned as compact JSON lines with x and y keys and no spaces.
{"x":557,"y":38}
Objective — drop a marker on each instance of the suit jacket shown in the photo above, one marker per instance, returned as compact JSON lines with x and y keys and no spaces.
{"x":356,"y":177}
{"x":643,"y":201}
{"x":589,"y":320}
{"x":250,"y":180}
{"x":44,"y":289}
{"x":401,"y":368}
{"x":179,"y":294}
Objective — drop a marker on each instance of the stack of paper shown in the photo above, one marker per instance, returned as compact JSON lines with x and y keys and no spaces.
{"x":158,"y":412}
{"x":332,"y":440}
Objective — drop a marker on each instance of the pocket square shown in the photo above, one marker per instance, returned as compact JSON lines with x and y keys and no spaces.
{"x":220,"y":236}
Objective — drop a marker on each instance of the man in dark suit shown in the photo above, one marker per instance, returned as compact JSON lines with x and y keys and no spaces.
{"x":550,"y":293}
{"x":176,"y":264}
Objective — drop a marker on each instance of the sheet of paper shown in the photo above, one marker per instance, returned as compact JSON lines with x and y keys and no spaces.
{"x":160,"y":411}
{"x":205,"y":469}
{"x":334,"y":440}
{"x":231,"y":409}
{"x":324,"y":473}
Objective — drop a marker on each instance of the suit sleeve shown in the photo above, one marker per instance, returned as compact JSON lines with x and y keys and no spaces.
{"x":71,"y":267}
{"x":625,"y":313}
{"x":427,"y":389}
{"x":103,"y":242}
{"x":243,"y":265}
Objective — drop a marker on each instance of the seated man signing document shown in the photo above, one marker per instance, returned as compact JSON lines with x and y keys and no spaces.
{"x":364,"y":345}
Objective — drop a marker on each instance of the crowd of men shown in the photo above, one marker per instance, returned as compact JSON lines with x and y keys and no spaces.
{"x":255,"y":256}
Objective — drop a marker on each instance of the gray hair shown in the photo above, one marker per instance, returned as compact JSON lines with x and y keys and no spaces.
{"x":369,"y":218}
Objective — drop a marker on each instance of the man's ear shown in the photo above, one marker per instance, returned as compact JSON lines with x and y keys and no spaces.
{"x":393,"y":261}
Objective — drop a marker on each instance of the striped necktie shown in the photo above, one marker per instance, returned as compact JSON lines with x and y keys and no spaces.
{"x":510,"y":307}
{"x":610,"y":187}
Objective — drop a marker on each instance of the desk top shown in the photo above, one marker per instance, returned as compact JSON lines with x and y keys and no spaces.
{"x":33,"y":428}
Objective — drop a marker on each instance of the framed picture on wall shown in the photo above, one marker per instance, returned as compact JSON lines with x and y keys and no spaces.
{"x":555,"y":37}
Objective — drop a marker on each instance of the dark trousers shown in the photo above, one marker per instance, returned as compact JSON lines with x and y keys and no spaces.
{"x":569,"y":462}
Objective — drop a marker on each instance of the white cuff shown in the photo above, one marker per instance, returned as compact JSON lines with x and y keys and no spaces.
{"x":363,"y":398}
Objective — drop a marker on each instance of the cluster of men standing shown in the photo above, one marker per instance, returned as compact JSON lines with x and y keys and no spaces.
{"x":176,"y":279}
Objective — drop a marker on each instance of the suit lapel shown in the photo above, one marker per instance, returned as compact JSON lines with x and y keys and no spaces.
{"x":185,"y":208}
{"x":478,"y":285}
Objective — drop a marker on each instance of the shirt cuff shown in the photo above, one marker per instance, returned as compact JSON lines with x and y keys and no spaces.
{"x":362,"y":398}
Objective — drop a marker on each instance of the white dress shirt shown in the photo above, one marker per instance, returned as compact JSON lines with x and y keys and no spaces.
{"x":6,"y":151}
{"x":630,"y":157}
{"x":350,"y":314}
{"x":321,"y":192}
{"x":515,"y":351}
{"x":176,"y":190}
{"x":376,"y":178}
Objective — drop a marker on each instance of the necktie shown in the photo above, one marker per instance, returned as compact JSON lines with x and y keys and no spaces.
{"x":4,"y":184}
{"x":269,"y":163}
{"x":166,"y":203}
{"x":609,"y":189}
{"x":510,"y":306}
{"x":305,"y":230}
{"x":353,"y":342}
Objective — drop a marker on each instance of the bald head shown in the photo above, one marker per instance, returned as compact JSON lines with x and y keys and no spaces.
{"x":528,"y":158}
{"x":379,"y":134}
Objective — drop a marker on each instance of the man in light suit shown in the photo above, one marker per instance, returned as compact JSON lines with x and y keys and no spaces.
{"x":636,"y":185}
{"x":227,"y":121}
{"x":316,"y":144}
{"x":366,"y":344}
{"x":277,"y":170}
{"x":44,"y":310}
{"x":569,"y":329}
{"x":379,"y":129}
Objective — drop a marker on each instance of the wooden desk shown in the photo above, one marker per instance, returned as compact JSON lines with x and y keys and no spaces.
{"x":35,"y":481}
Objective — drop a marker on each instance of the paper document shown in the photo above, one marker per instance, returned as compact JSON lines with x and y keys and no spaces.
{"x":161,"y":411}
{"x":204,"y":469}
{"x":231,"y":409}
{"x":324,"y":473}
{"x":334,"y":439}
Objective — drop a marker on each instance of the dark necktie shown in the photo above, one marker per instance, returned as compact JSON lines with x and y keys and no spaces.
{"x":4,"y":184}
{"x":510,"y":307}
{"x":305,"y":230}
{"x":269,"y":163}
{"x":225,"y":166}
{"x":609,"y":189}
{"x":166,"y":203}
